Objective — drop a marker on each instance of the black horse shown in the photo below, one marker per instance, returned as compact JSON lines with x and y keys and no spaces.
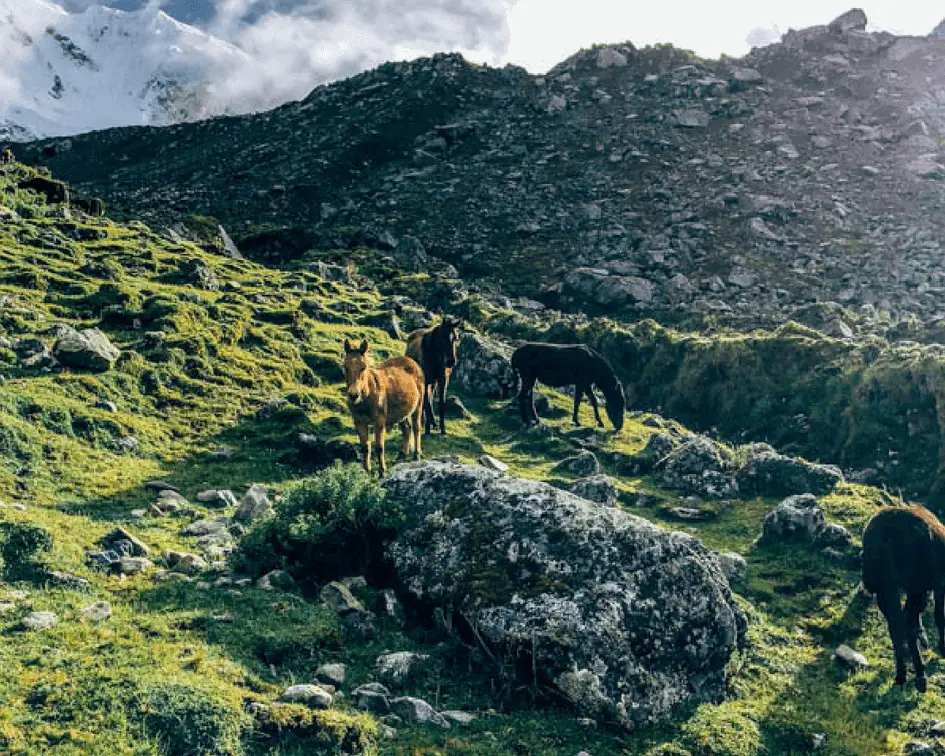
{"x":434,"y":349}
{"x":568,"y":365}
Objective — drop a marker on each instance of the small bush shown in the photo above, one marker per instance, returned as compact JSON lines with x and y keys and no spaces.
{"x":22,"y":543}
{"x":721,"y":731}
{"x":191,"y":722}
{"x":329,"y":525}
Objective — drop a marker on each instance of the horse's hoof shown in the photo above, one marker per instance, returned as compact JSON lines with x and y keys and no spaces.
{"x":921,"y":684}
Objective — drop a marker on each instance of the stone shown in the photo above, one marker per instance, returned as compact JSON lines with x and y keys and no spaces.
{"x":797,"y":518}
{"x":392,"y":606}
{"x":691,"y":118}
{"x":417,"y":711}
{"x":331,"y":674}
{"x":611,"y":570}
{"x":458,"y":717}
{"x":276,"y":579}
{"x":853,"y":20}
{"x":596,"y":488}
{"x":743,"y":78}
{"x":160,"y":485}
{"x":734,"y":566}
{"x":217,"y":498}
{"x":584,"y":463}
{"x":918,"y":748}
{"x":185,"y":563}
{"x":373,"y":698}
{"x":206,"y":528}
{"x":97,"y":612}
{"x":491,"y":463}
{"x":608,"y":57}
{"x":483,"y":368}
{"x":340,"y":599}
{"x":39,"y":621}
{"x":694,"y":465}
{"x":255,"y":504}
{"x":395,"y":669}
{"x":850,"y":658}
{"x":313,"y":696}
{"x":132,"y":565}
{"x":89,"y":349}
{"x":138,"y":548}
{"x":767,"y":473}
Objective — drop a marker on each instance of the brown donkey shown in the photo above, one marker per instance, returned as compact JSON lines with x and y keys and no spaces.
{"x":385,"y":395}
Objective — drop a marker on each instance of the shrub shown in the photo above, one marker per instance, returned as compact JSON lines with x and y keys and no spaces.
{"x":22,"y":543}
{"x":329,"y":525}
{"x":189,"y":721}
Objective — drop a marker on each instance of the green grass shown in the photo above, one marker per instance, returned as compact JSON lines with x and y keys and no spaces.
{"x":199,"y":654}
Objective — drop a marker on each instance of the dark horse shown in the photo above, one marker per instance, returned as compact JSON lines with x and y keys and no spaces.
{"x":567,"y":365}
{"x":434,"y":349}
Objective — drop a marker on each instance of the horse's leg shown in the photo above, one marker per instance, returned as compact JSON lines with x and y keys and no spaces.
{"x":915,"y":603}
{"x":406,"y":428}
{"x":527,"y":383}
{"x":362,"y":430}
{"x":578,"y":395}
{"x":379,"y":435}
{"x":532,"y":412}
{"x":427,"y":407}
{"x":441,"y":401}
{"x":888,"y":600}
{"x":940,"y":619}
{"x":416,"y":419}
{"x":589,"y":390}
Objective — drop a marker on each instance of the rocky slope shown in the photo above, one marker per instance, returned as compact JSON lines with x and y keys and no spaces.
{"x":626,"y":181}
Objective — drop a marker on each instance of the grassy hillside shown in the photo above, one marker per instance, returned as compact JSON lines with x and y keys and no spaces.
{"x":246,"y":364}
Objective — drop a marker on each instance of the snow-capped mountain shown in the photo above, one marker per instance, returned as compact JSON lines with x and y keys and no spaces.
{"x":64,"y":73}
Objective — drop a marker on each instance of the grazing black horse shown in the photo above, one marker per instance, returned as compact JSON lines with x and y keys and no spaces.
{"x":568,"y":365}
{"x":434,"y":349}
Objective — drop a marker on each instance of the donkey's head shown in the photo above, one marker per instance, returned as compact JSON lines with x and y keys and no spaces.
{"x":615,"y":403}
{"x":447,"y":339}
{"x":357,"y":365}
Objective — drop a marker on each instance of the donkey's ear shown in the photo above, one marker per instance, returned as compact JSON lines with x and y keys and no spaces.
{"x":364,"y":347}
{"x":347,"y":346}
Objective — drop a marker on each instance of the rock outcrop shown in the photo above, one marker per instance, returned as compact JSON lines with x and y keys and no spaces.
{"x":624,"y":620}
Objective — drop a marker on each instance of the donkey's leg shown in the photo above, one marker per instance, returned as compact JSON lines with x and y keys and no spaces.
{"x":593,"y":400}
{"x":533,"y":413}
{"x":888,"y":600}
{"x":940,"y":619}
{"x":441,"y":402}
{"x":578,"y":395}
{"x":915,"y":603}
{"x":362,"y":430}
{"x":527,"y":384}
{"x":380,"y":432}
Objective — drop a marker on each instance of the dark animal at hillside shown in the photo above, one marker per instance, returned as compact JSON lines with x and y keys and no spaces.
{"x":90,"y":205}
{"x":904,"y":550}
{"x":6,"y":157}
{"x":575,"y":365}
{"x":56,"y":192}
{"x":434,"y":349}
{"x":385,"y":395}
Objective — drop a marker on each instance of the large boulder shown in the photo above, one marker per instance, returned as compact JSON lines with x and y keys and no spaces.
{"x":623,"y":619}
{"x":767,"y":473}
{"x":690,"y":464}
{"x":483,"y":368}
{"x":86,"y":350}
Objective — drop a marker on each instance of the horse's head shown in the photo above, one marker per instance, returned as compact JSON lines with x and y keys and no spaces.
{"x":616,"y":404}
{"x":447,"y":336}
{"x":357,"y":363}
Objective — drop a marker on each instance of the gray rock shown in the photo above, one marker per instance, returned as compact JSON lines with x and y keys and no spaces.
{"x":89,"y":349}
{"x":691,"y":118}
{"x":313,"y":696}
{"x":696,"y":465}
{"x":132,"y":565}
{"x":187,"y":564}
{"x":850,"y":658}
{"x":138,"y":548}
{"x":392,"y":606}
{"x":206,"y":528}
{"x":218,"y":498}
{"x":608,"y":57}
{"x":768,"y":473}
{"x":396,"y":668}
{"x":483,"y":368}
{"x":331,"y":674}
{"x":797,"y":518}
{"x":276,"y":579}
{"x":733,"y":565}
{"x":594,"y":635}
{"x":255,"y":504}
{"x":417,"y":711}
{"x":97,"y":612}
{"x":853,"y":20}
{"x":339,"y":598}
{"x":491,"y":463}
{"x":584,"y":463}
{"x":458,"y":717}
{"x":39,"y":621}
{"x":372,"y":697}
{"x":597,"y":488}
